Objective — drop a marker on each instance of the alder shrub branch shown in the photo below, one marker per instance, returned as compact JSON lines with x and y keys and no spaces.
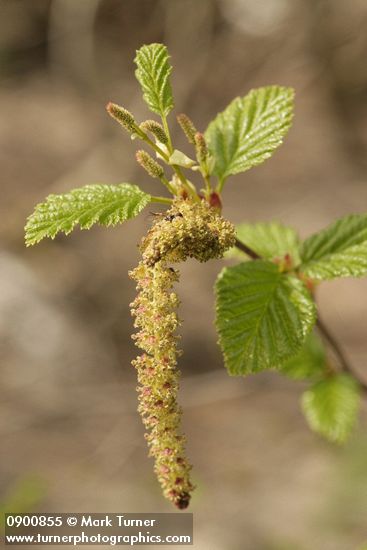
{"x":266,"y":313}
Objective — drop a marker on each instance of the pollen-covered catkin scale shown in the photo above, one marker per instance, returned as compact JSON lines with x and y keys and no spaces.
{"x":187,"y":230}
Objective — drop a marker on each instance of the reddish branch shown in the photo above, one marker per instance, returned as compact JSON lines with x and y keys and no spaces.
{"x":338,"y":352}
{"x":247,"y":250}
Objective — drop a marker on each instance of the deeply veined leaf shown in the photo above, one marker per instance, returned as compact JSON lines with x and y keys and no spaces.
{"x":269,"y":240}
{"x":263,"y":316}
{"x":98,"y":203}
{"x":331,"y":407}
{"x":309,"y":363}
{"x":153,"y":72}
{"x":340,"y":250}
{"x":248,"y":131}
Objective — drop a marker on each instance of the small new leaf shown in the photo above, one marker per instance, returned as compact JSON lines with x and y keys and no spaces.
{"x":179,"y":158}
{"x":102,"y":204}
{"x":153,"y":72}
{"x":309,"y":363}
{"x":263,"y":316}
{"x":271,"y":241}
{"x":249,"y":130}
{"x":340,"y":250}
{"x":331,"y":407}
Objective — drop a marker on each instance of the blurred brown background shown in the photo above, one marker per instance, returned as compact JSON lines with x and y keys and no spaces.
{"x":71,"y":439}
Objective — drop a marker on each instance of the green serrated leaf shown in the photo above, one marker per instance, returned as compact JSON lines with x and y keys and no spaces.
{"x":98,"y":203}
{"x":153,"y":72}
{"x":269,"y":240}
{"x":263,"y":316}
{"x":331,"y":407}
{"x":309,"y":363}
{"x":248,"y":131}
{"x":340,"y":250}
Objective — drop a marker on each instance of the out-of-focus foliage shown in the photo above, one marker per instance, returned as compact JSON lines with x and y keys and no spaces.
{"x":23,"y":497}
{"x":331,"y":406}
{"x":310,"y":362}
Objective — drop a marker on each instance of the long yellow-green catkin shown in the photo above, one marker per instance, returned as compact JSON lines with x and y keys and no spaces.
{"x":156,"y":317}
{"x":186,"y":230}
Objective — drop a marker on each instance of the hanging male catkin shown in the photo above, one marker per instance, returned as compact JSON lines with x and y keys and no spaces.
{"x":187,"y":230}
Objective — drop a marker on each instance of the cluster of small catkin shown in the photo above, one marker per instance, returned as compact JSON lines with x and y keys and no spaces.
{"x":188,"y":229}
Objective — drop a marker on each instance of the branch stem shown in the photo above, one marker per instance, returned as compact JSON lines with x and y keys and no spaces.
{"x":208,"y":187}
{"x":338,"y":352}
{"x":187,"y":185}
{"x":154,"y":146}
{"x":167,"y":132}
{"x":189,"y":188}
{"x":220,"y":185}
{"x":165,"y":182}
{"x":247,"y":250}
{"x":164,"y":200}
